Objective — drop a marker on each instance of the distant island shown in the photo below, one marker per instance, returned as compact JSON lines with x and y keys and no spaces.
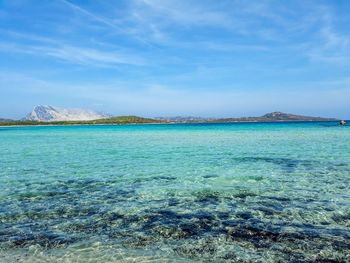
{"x":269,"y":117}
{"x":49,"y":115}
{"x":5,"y":120}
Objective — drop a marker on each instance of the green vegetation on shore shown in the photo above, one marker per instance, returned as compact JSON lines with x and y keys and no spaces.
{"x":112,"y":120}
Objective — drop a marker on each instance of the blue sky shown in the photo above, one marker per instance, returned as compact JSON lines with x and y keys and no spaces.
{"x":177,"y":57}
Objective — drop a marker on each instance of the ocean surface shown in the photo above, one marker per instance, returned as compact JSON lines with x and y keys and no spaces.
{"x":254,"y":192}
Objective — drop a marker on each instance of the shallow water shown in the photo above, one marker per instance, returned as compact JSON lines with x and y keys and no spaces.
{"x":175,"y":193}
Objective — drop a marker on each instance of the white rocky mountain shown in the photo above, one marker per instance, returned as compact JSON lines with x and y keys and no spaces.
{"x":49,"y":113}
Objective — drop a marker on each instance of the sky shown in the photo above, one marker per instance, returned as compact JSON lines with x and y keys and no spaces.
{"x":151,"y":58}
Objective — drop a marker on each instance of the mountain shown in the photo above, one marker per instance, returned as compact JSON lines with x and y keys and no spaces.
{"x":286,"y":116}
{"x":46,"y":113}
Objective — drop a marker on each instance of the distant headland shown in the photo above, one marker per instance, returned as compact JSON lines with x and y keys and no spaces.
{"x":49,"y":115}
{"x":268,"y":117}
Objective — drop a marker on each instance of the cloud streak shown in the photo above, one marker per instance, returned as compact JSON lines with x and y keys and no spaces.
{"x":57,"y":49}
{"x":91,"y":15}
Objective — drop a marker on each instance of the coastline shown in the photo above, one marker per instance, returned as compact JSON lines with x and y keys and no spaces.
{"x":164,"y":123}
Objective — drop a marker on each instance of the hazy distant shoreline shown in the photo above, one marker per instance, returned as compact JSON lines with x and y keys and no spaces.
{"x":158,"y":123}
{"x":48,"y":115}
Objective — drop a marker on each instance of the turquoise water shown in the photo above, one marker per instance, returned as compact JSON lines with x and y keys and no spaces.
{"x":175,"y":193}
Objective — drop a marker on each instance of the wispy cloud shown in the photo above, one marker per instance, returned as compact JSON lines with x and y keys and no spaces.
{"x":329,"y":46}
{"x":182,"y":12}
{"x":91,"y":15}
{"x":121,"y":27}
{"x":74,"y":54}
{"x":154,"y":21}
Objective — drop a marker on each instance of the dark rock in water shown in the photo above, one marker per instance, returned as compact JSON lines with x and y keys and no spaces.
{"x":47,"y":240}
{"x":128,"y":220}
{"x":267,"y":211}
{"x":169,"y":231}
{"x":231,"y":256}
{"x":254,"y":234}
{"x":244,"y":215}
{"x":274,"y":206}
{"x":341,"y":245}
{"x":340,"y":218}
{"x":22,"y":241}
{"x":188,"y":229}
{"x":208,"y":197}
{"x":210,"y":176}
{"x":223,"y":215}
{"x":244,"y":194}
{"x":173,"y":202}
{"x":294,"y":236}
{"x":168,"y":216}
{"x":231,"y":223}
{"x":204,"y":215}
{"x":340,"y":233}
{"x":113,"y":216}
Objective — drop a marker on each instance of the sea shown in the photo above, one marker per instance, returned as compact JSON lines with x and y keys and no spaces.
{"x":233,"y":192}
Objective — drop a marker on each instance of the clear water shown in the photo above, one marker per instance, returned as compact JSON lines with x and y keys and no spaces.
{"x":175,"y":193}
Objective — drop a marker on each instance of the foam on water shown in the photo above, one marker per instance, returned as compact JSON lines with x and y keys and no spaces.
{"x":175,"y":193}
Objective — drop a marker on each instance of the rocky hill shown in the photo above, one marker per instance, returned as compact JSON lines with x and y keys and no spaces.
{"x":46,"y":113}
